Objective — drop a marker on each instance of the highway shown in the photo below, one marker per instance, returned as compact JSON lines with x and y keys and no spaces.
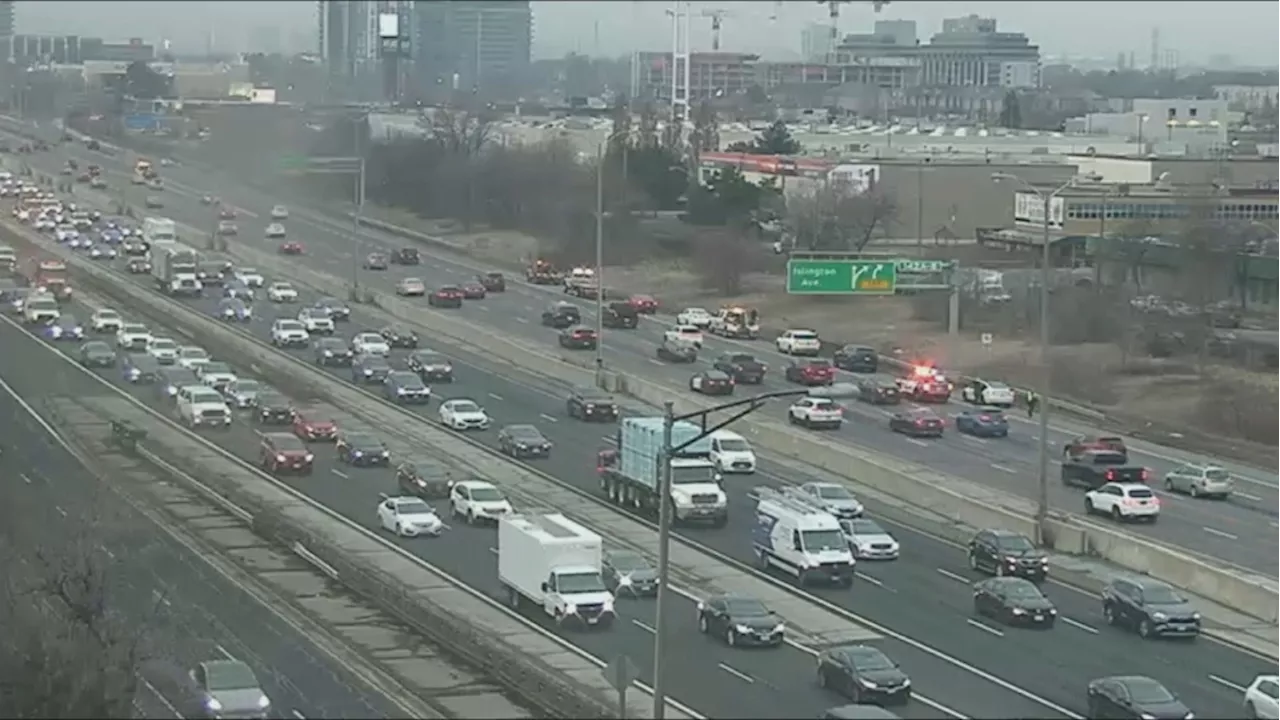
{"x":923,"y":597}
{"x":1240,"y":531}
{"x":186,"y":611}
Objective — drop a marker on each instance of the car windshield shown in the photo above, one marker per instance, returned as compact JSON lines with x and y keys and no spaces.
{"x":375,"y":362}
{"x":287,"y":442}
{"x":1109,"y":458}
{"x":524,"y":432}
{"x":742,"y":359}
{"x":430,"y":358}
{"x":97,"y":347}
{"x":108,"y":315}
{"x":465,"y":406}
{"x":1145,"y":691}
{"x":1022,"y":590}
{"x":579,"y":582}
{"x":1140,"y":492}
{"x":245,"y":386}
{"x":136,"y":329}
{"x":189,"y":353}
{"x":818,"y":364}
{"x":804,"y":336}
{"x":921,"y":414}
{"x":833,"y":492}
{"x":402,"y":377}
{"x":362,"y":440}
{"x":332,"y":344}
{"x":866,"y":527}
{"x":486,"y":494}
{"x":745,"y":608}
{"x":628,"y":562}
{"x":413,"y":507}
{"x":370,"y":338}
{"x":818,"y":540}
{"x":290,"y":325}
{"x":216,"y":367}
{"x":871,"y":660}
{"x":1014,"y":543}
{"x":272,"y":399}
{"x":1161,"y":595}
{"x":230,"y":676}
{"x":734,"y":445}
{"x":248,"y":271}
{"x":163,"y":344}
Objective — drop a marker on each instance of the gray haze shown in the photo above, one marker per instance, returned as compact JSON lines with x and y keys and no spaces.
{"x":1247,"y":31}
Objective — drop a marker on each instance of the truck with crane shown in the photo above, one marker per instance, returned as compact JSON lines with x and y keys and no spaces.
{"x":631,"y":472}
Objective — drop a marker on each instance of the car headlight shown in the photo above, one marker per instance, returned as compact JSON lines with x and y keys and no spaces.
{"x":1195,"y":616}
{"x":679,"y":496}
{"x":1019,"y":611}
{"x":400,"y":391}
{"x":1159,"y":617}
{"x":1053,"y":611}
{"x":308,"y":457}
{"x":867,"y":683}
{"x":358,"y":453}
{"x":264,"y":702}
{"x":741,"y":629}
{"x":386,"y":453}
{"x":780,"y":627}
{"x":213,"y":704}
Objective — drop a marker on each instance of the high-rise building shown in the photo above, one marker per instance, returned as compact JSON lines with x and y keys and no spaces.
{"x":348,"y":43}
{"x":480,"y":46}
{"x":6,"y":18}
{"x":815,"y":43}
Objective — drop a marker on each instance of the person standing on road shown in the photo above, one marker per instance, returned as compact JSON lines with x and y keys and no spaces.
{"x":1033,"y":403}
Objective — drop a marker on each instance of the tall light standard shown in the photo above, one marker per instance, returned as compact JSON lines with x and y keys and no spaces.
{"x":1046,"y":374}
{"x":743,"y":407}
{"x":601,"y":153}
{"x":351,"y":165}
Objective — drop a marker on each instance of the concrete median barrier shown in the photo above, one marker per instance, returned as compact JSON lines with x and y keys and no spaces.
{"x":966,"y":502}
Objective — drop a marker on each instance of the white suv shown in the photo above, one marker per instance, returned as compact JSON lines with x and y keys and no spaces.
{"x":1123,"y":502}
{"x":370,"y":344}
{"x":282,"y":292}
{"x":799,"y":342}
{"x":316,"y":320}
{"x":132,"y":336}
{"x":287,"y":333}
{"x":106,"y":320}
{"x":476,"y":500}
{"x":814,"y":412}
{"x":164,"y":350}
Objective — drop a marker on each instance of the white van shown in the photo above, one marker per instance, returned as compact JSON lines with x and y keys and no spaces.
{"x":731,"y":453}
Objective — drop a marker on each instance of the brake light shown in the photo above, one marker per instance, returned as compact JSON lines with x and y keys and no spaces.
{"x":984,"y":418}
{"x":1146,"y":474}
{"x":920,"y":422}
{"x":1111,"y":475}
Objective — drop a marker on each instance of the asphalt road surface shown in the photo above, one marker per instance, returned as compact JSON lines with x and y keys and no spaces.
{"x":973,"y":668}
{"x":1240,"y":531}
{"x":186,"y":611}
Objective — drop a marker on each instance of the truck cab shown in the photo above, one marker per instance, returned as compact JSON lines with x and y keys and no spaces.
{"x":801,"y":540}
{"x":554,"y":563}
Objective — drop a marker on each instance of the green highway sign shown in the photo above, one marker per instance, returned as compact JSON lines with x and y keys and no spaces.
{"x":294,"y":162}
{"x":842,"y":277}
{"x":922,"y":266}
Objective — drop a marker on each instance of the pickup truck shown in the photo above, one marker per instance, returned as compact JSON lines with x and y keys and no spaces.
{"x":1092,"y":469}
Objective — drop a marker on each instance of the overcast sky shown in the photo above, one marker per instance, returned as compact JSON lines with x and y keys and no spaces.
{"x":1247,"y":31}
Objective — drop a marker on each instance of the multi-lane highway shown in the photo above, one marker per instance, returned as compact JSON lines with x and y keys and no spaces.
{"x":1240,"y":531}
{"x":920,"y":605}
{"x":182,"y":609}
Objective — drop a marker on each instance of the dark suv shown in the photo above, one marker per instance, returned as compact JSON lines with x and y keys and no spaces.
{"x":620,"y":315}
{"x":284,"y":452}
{"x":591,"y":405}
{"x":561,"y":315}
{"x":1001,"y":552}
{"x":856,"y":358}
{"x":1149,"y":607}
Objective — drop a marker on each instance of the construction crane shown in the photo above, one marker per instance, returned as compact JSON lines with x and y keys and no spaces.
{"x":833,"y":8}
{"x":717,"y":19}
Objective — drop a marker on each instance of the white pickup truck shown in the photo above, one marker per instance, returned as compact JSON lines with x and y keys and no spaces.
{"x":554,"y":563}
{"x":202,"y":407}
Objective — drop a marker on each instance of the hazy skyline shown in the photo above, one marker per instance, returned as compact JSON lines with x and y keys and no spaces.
{"x":1247,"y":31}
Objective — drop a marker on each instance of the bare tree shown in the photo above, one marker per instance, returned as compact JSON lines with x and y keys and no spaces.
{"x":835,"y":219}
{"x":706,"y":130}
{"x":723,"y":258}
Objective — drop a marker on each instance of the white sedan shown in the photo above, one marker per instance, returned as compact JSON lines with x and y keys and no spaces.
{"x":274,"y":230}
{"x":279,"y":212}
{"x":463,"y":414}
{"x":192,"y":357}
{"x":282,"y":292}
{"x":105,"y":320}
{"x":1260,"y":698}
{"x":250,"y":277}
{"x":698,"y":317}
{"x":408,"y":517}
{"x":370,"y":344}
{"x":690,"y":334}
{"x":868,"y":540}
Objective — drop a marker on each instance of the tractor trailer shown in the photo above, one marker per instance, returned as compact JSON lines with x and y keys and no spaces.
{"x":631,"y":474}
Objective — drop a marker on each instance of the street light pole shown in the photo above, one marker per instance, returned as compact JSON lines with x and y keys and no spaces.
{"x":600,"y":158}
{"x":355,"y":229}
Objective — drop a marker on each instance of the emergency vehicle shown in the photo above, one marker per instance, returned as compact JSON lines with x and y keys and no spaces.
{"x":734,"y":321}
{"x":48,"y":276}
{"x":924,"y":383}
{"x":799,"y":539}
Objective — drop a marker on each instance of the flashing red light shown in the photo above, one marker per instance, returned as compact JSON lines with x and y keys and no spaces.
{"x":923,"y":371}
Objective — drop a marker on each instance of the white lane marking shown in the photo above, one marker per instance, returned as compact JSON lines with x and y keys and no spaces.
{"x":521,"y":320}
{"x":1003,"y":468}
{"x":940,"y":707}
{"x":27,"y":480}
{"x":871,"y":580}
{"x":340,"y":474}
{"x":970,"y":438}
{"x":495,"y":396}
{"x":547,"y":417}
{"x":1080,"y":625}
{"x":107,"y":552}
{"x":1220,"y":533}
{"x":737,"y":673}
{"x":656,"y":362}
{"x":223,"y":652}
{"x":298,"y":714}
{"x":481,"y":308}
{"x":493,"y":550}
{"x":950,"y":575}
{"x":645,"y":627}
{"x":917,"y":441}
{"x":1227,"y":683}
{"x":61,"y":512}
{"x":984,"y":628}
{"x":160,"y":597}
{"x":1247,"y":496}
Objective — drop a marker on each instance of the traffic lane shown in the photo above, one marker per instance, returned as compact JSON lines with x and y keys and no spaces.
{"x":191,"y":612}
{"x":353,"y":490}
{"x":462,"y":551}
{"x":184,"y":610}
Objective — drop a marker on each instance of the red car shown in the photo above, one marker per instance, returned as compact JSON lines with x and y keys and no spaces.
{"x":644,"y":304}
{"x":310,"y":426}
{"x":450,"y":297}
{"x":1081,"y":443}
{"x":292,"y":247}
{"x":474,"y":291}
{"x":811,"y":372}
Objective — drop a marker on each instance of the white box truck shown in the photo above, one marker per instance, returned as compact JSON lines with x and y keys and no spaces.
{"x":159,"y":231}
{"x":630,"y":476}
{"x":554,"y":563}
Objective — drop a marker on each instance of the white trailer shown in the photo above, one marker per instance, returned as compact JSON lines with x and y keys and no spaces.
{"x":631,"y":475}
{"x":554,"y":563}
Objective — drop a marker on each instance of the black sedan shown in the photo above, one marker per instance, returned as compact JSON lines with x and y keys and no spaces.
{"x":740,"y":620}
{"x":523,"y":441}
{"x":493,"y":281}
{"x":1013,"y":601}
{"x":917,"y":422}
{"x":1134,"y":696}
{"x":561,"y":316}
{"x":399,"y":337}
{"x":333,"y":352}
{"x":430,"y":366}
{"x":712,"y":382}
{"x":271,"y":408}
{"x":626,"y":572}
{"x":864,"y":674}
{"x":406,"y":256}
{"x":677,"y":351}
{"x":337,"y":309}
{"x":96,"y":353}
{"x":427,"y":479}
{"x":362,"y":449}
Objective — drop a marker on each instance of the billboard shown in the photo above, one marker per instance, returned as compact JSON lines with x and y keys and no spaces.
{"x":855,"y":179}
{"x":1028,"y":210}
{"x":391,"y":42}
{"x":388,"y":26}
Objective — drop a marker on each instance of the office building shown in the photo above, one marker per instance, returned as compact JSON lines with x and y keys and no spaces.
{"x":7,"y":25}
{"x":480,"y":46}
{"x":815,"y":43}
{"x":348,"y":43}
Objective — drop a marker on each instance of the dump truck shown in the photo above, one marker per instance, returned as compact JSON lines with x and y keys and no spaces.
{"x":631,"y":472}
{"x":542,"y":272}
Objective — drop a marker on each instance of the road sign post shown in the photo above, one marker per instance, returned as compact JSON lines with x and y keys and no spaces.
{"x":841,"y":277}
{"x":621,"y":674}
